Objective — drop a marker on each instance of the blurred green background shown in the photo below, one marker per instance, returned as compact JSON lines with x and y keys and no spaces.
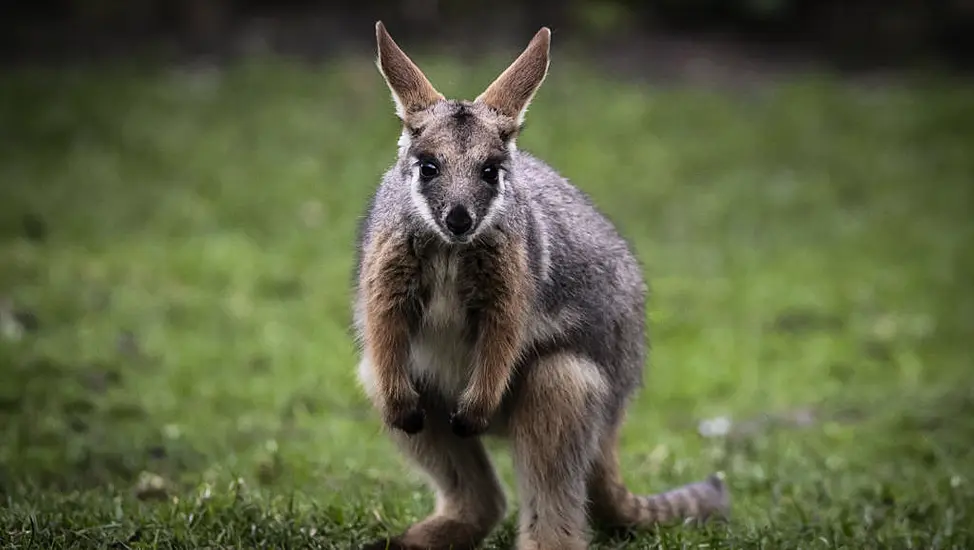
{"x":176,"y":240}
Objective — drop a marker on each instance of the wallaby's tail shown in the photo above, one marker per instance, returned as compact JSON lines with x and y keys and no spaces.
{"x":699,"y":501}
{"x":613,"y":505}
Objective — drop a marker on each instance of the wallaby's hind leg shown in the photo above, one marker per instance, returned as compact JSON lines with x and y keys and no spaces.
{"x":554,"y":427}
{"x":613,"y":506}
{"x":469,"y":497}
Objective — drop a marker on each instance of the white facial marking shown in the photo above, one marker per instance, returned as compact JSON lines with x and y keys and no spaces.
{"x":495,"y":207}
{"x":404,"y":142}
{"x":419,"y":202}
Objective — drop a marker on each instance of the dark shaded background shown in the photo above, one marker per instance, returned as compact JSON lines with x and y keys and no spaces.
{"x":844,"y":34}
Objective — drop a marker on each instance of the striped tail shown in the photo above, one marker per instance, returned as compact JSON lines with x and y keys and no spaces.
{"x":613,"y":505}
{"x":698,"y":501}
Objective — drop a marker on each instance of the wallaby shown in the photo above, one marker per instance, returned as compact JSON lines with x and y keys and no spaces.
{"x":492,"y":298}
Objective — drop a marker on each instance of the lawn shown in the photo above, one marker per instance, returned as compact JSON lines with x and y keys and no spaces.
{"x":176,"y":361}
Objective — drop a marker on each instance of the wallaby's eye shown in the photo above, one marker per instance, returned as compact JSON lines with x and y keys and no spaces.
{"x":428,"y":170}
{"x":490,"y":173}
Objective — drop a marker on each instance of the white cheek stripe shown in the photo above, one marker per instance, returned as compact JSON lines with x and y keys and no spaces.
{"x":496,"y":205}
{"x":419,"y":202}
{"x":404,"y":142}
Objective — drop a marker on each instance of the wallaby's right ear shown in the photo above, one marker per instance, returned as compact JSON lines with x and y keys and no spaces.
{"x":411,"y":90}
{"x":513,"y":90}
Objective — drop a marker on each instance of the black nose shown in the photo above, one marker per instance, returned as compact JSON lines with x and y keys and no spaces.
{"x":458,"y":220}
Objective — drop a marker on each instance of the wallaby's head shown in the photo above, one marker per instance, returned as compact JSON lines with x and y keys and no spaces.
{"x":456,"y":154}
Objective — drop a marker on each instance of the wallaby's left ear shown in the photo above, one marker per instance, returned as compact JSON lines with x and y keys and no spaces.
{"x":513,"y":90}
{"x":411,"y":90}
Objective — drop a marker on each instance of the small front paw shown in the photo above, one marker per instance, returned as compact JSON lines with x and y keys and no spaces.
{"x":408,"y":417}
{"x":465,"y":424}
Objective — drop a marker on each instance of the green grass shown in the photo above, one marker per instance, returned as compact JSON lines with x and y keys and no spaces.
{"x":809,"y":247}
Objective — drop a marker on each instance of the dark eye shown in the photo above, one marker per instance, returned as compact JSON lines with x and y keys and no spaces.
{"x":490,"y":173}
{"x":428,"y":170}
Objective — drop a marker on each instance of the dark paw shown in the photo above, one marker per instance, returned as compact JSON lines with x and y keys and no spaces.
{"x":467,"y":425}
{"x":409,"y":421}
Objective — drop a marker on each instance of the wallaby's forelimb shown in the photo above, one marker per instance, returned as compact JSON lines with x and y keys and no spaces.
{"x":385,"y":278}
{"x":504,"y":294}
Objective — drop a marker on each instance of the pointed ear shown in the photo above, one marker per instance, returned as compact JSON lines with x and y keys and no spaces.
{"x":513,"y":90}
{"x":411,"y":91}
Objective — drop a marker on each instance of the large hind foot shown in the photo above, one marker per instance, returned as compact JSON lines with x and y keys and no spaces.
{"x":469,"y":497}
{"x":433,"y":533}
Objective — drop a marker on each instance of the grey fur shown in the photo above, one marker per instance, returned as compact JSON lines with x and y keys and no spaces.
{"x":582,"y":353}
{"x":589,"y":295}
{"x":583,"y":269}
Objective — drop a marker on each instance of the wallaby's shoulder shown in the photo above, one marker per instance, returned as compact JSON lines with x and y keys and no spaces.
{"x":545,"y":184}
{"x":570,"y":216}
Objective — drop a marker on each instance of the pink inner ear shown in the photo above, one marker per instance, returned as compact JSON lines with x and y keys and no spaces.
{"x":512,"y":91}
{"x":412,"y":90}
